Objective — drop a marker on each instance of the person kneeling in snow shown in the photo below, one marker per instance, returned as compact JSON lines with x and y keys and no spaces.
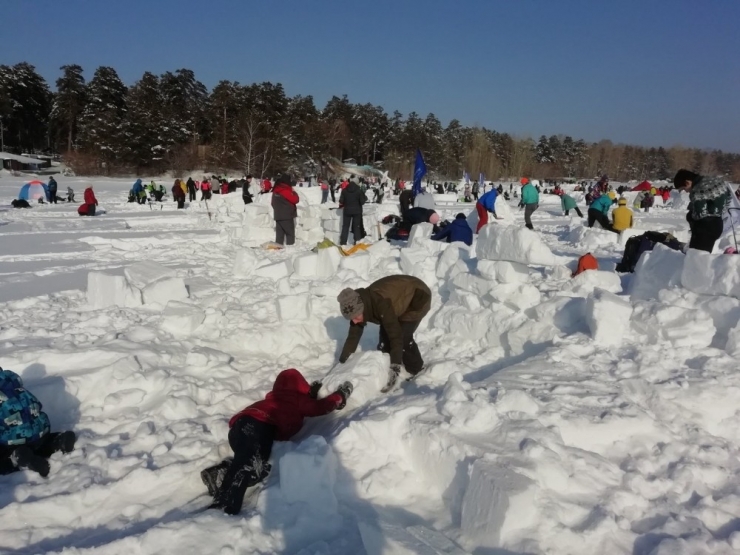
{"x":278,"y":417}
{"x":398,"y":304}
{"x":25,"y":438}
{"x":458,"y":230}
{"x":91,"y":203}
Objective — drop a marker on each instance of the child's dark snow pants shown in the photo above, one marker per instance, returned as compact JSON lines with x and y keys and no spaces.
{"x":251,"y":441}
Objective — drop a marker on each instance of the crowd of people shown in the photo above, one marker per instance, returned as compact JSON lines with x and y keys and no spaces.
{"x":397,"y":304}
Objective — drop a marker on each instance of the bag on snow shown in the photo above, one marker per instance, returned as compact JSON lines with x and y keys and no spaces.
{"x":586,"y":262}
{"x":642,"y":243}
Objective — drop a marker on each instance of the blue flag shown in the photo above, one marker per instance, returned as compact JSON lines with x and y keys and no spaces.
{"x":420,"y":170}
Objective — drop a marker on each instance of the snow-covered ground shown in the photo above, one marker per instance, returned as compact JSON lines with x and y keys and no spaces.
{"x":567,"y":416}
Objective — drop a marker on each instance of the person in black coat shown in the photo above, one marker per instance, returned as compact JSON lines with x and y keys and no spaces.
{"x":406,"y":200}
{"x":191,"y":189}
{"x":52,"y":190}
{"x":351,"y":201}
{"x":418,"y":215}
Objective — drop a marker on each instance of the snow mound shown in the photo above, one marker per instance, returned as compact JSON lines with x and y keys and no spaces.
{"x":145,"y":273}
{"x":503,"y":272}
{"x":513,"y":244}
{"x":591,"y":238}
{"x":711,"y":274}
{"x":586,"y":282}
{"x":658,"y":269}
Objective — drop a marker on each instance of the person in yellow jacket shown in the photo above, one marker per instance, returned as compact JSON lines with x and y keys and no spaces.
{"x":622,"y":216}
{"x":184,"y":187}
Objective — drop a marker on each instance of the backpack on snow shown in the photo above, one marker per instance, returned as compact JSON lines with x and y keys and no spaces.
{"x":586,"y":262}
{"x":642,"y":243}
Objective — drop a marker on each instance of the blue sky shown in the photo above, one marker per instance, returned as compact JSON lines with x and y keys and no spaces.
{"x":651,"y":72}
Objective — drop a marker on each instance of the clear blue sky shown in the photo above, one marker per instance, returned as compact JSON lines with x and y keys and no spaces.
{"x":648,"y":72}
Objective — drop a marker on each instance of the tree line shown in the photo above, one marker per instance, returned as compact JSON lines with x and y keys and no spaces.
{"x":171,"y":122}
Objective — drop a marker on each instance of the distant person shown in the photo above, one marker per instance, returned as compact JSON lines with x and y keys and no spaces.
{"x":622,"y":217}
{"x":351,"y":201}
{"x":486,"y":204}
{"x":284,"y":202}
{"x":178,"y":194}
{"x":568,"y":203}
{"x":598,"y":212}
{"x":457,"y":230}
{"x":191,"y":189}
{"x":90,"y":205}
{"x":52,"y":186}
{"x":530,"y":201}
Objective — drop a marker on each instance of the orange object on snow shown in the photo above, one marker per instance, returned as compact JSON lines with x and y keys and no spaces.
{"x":586,"y":262}
{"x":524,"y":180}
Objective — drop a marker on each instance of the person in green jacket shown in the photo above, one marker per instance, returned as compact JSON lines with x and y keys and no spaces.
{"x":530,"y":201}
{"x":568,"y":203}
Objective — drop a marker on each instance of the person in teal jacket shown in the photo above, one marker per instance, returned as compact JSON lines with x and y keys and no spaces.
{"x":530,"y":201}
{"x":568,"y":203}
{"x":599,"y":210}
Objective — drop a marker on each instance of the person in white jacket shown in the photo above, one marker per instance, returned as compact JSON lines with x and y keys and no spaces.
{"x":425,"y":199}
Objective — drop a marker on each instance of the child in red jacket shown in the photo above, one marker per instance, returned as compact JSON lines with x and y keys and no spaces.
{"x":278,"y":417}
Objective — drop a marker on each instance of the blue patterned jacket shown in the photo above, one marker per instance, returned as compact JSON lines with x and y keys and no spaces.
{"x":21,"y":419}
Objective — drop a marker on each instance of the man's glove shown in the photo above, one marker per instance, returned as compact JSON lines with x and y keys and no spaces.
{"x":313,"y":391}
{"x":345,"y":390}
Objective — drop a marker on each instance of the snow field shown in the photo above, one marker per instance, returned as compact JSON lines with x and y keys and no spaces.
{"x":588,"y":415}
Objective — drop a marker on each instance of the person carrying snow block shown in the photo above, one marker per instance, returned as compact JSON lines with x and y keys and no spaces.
{"x":598,"y":211}
{"x":284,"y":201}
{"x":708,"y":199}
{"x":530,"y":201}
{"x":278,"y":417}
{"x":458,"y":230}
{"x":25,"y":438}
{"x":397,"y":304}
{"x":486,"y":204}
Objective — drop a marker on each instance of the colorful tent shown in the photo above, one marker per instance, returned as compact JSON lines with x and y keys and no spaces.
{"x":34,"y":190}
{"x":644,"y":186}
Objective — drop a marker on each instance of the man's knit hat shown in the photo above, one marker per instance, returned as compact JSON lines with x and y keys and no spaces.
{"x":350,"y":303}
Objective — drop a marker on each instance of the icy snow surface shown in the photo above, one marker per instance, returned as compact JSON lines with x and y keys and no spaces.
{"x":560,"y":416}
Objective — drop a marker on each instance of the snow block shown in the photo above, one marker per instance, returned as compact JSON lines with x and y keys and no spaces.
{"x":711,"y":274}
{"x":497,"y":502}
{"x":420,"y":233}
{"x":607,"y":316}
{"x":678,"y":325}
{"x":308,"y":474}
{"x":144,"y":273}
{"x":584,"y":283}
{"x":368,"y":372}
{"x":328,"y":262}
{"x":256,"y":215}
{"x":449,"y":258}
{"x":165,"y":290}
{"x":733,"y":341}
{"x":658,"y":269}
{"x":245,"y":262}
{"x":463,"y":322}
{"x":517,"y":296}
{"x":293,"y":307}
{"x":503,"y":272}
{"x":479,"y":286}
{"x":306,"y":265}
{"x":379,"y":250}
{"x":105,"y":290}
{"x":275,"y":271}
{"x":358,"y":263}
{"x":181,"y":319}
{"x":514,"y":244}
{"x":591,"y":238}
{"x":418,"y":262}
{"x":257,"y":235}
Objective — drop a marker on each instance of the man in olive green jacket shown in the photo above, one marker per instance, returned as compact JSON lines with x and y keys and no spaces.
{"x":397,"y":304}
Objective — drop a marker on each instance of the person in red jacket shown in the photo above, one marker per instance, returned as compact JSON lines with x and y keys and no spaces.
{"x":284,"y":201}
{"x":266,"y":187}
{"x":90,"y":204}
{"x":278,"y":417}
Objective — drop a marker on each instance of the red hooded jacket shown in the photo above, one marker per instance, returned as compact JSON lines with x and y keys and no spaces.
{"x":266,"y":186}
{"x":90,"y":197}
{"x":288,"y":404}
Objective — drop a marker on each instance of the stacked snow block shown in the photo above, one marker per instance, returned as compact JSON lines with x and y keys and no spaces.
{"x":257,"y":225}
{"x":308,"y":474}
{"x":658,"y":269}
{"x":308,"y":224}
{"x":145,"y":283}
{"x":245,"y":262}
{"x":293,"y":307}
{"x":274,"y":270}
{"x":608,"y":317}
{"x":331,"y":223}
